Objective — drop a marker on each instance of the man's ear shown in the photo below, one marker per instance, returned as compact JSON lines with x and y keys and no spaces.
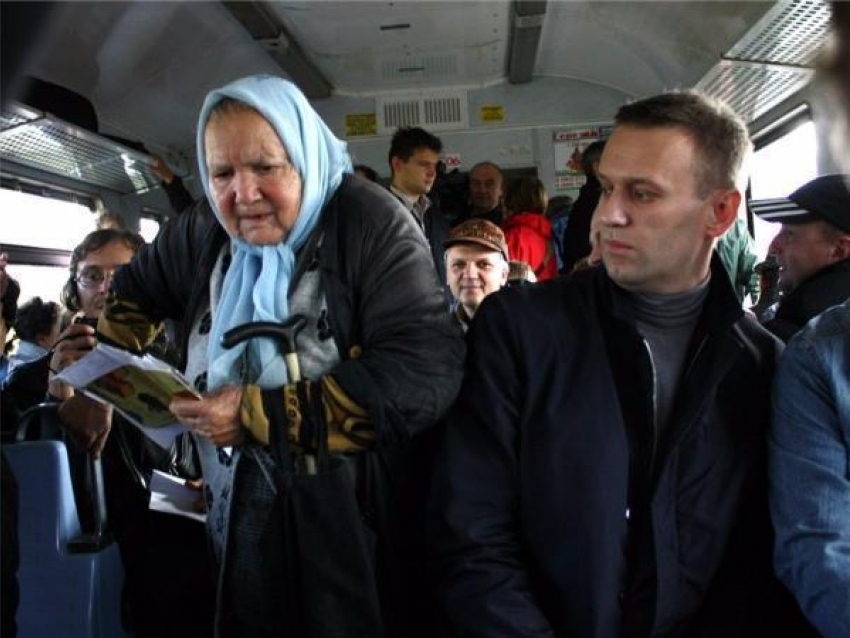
{"x":395,"y":164}
{"x":841,"y":249}
{"x":724,"y":211}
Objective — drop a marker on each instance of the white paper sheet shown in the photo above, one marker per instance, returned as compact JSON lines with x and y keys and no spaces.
{"x":170,"y":495}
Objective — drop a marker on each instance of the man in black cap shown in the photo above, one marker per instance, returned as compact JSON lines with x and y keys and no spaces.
{"x":813,"y":250}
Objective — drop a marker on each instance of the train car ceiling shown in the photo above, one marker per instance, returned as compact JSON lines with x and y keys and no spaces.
{"x":146,"y":66}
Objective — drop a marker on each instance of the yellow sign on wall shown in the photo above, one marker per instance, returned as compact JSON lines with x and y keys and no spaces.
{"x":360,"y":124}
{"x":492,"y":113}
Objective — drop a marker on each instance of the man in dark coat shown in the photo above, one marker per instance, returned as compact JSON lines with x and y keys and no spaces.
{"x":813,"y":251}
{"x":576,"y":238}
{"x":603,"y":473}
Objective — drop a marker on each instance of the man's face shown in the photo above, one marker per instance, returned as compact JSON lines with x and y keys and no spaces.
{"x":99,"y":265}
{"x":656,"y":231}
{"x":416,"y":176}
{"x":485,"y":188}
{"x":473,"y":273}
{"x":802,"y":250}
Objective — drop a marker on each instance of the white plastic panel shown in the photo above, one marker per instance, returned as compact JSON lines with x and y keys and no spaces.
{"x":773,"y":60}
{"x":640,"y":48}
{"x":367,"y":47}
{"x":435,"y":111}
{"x":753,"y":90}
{"x":792,"y":32}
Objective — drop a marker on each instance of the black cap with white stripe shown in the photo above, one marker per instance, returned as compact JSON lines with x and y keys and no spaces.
{"x":824,"y":198}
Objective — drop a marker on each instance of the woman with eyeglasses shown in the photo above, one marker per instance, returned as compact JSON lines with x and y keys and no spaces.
{"x":289,"y":231}
{"x":84,"y":293}
{"x":150,"y":543}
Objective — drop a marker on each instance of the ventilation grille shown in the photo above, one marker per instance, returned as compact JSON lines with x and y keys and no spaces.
{"x":439,"y":111}
{"x":753,"y":90}
{"x":49,"y":144}
{"x":790,"y":33}
{"x":401,"y":114}
{"x":436,"y":113}
{"x":772,"y":61}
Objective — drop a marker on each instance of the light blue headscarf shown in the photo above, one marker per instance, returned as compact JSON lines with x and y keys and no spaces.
{"x":256,"y":285}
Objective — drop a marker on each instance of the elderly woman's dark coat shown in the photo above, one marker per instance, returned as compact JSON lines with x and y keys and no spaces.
{"x":400,"y":355}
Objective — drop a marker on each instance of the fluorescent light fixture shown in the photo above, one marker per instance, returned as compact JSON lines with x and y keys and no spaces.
{"x":526,"y":26}
{"x":265,"y":27}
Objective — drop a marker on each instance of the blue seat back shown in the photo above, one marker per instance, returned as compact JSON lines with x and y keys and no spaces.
{"x":62,"y":594}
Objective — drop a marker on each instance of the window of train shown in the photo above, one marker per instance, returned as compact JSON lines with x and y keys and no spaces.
{"x":38,"y":233}
{"x":782,"y":162}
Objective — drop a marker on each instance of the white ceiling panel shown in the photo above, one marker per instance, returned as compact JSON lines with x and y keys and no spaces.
{"x":363,"y":47}
{"x":641,"y":48}
{"x":146,"y":66}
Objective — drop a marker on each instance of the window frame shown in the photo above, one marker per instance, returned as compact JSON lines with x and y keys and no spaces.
{"x":794,"y":117}
{"x":782,"y":126}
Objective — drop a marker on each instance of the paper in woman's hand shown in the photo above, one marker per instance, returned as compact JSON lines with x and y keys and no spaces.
{"x":140,"y":388}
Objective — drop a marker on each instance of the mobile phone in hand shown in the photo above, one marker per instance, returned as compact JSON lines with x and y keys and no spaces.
{"x":89,"y":321}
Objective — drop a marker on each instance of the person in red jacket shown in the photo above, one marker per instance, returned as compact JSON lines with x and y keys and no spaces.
{"x":527,"y":231}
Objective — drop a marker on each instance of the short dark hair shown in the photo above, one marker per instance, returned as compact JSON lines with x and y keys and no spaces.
{"x":92,"y":242}
{"x":719,"y":135}
{"x":591,"y":155}
{"x":409,"y":139}
{"x":36,"y":318}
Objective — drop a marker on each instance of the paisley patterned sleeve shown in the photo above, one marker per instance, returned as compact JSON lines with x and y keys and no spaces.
{"x":125,"y":325}
{"x":348,"y":425}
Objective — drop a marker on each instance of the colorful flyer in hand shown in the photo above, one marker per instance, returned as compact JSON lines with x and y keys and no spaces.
{"x":141,"y":388}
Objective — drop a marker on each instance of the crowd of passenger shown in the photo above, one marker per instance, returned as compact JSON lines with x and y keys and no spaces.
{"x":486,"y":426}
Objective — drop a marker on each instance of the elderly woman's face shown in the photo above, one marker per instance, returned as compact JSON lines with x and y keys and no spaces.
{"x":256,"y":188}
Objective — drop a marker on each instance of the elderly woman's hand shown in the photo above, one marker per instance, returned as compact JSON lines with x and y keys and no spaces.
{"x":215,"y":416}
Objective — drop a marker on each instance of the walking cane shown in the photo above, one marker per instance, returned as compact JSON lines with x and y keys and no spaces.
{"x":287,"y":333}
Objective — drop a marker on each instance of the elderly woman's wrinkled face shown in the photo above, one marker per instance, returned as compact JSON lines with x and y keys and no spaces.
{"x":256,"y":188}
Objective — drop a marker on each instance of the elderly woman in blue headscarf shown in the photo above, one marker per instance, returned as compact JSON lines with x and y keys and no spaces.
{"x":286,"y":230}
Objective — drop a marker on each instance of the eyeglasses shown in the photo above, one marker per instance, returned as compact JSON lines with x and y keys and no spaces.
{"x":94,"y":277}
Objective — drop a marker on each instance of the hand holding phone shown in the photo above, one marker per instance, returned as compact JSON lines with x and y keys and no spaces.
{"x":73,"y":343}
{"x":88,"y":321}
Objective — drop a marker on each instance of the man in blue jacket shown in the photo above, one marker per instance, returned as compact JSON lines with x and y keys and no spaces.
{"x":810,"y":470}
{"x":604,"y":467}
